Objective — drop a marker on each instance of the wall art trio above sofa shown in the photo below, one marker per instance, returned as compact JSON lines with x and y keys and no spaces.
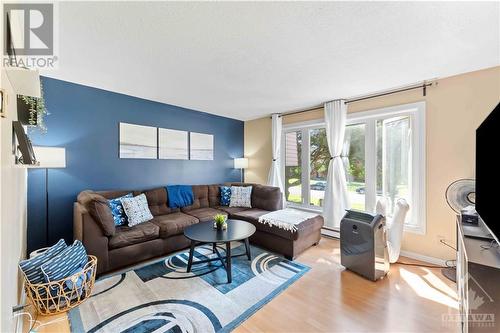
{"x":146,"y":142}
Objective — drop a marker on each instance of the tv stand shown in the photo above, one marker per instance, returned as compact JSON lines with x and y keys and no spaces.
{"x":477,"y":231}
{"x":478,"y":284}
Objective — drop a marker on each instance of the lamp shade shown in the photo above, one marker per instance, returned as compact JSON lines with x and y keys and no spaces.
{"x":50,"y":157}
{"x":241,"y":163}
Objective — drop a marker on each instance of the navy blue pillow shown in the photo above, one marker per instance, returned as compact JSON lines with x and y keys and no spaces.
{"x":225,"y":195}
{"x":32,"y":267}
{"x":71,"y":259}
{"x":117,"y":210}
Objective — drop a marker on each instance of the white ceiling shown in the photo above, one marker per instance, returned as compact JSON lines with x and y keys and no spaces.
{"x":247,"y":60}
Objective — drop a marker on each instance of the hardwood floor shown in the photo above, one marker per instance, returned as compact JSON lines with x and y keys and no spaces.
{"x":331,"y":299}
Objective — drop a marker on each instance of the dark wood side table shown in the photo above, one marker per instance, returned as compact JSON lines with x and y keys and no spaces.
{"x":205,"y":233}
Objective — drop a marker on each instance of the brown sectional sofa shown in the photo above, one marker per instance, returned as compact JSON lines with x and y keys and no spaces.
{"x":119,"y":247}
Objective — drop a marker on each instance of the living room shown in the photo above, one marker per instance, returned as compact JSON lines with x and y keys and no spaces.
{"x":187,"y":166}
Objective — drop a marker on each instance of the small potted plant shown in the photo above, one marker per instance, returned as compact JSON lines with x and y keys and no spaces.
{"x":220,"y":221}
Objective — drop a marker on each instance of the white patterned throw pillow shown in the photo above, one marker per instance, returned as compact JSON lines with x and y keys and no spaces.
{"x":241,"y":196}
{"x":137,"y":209}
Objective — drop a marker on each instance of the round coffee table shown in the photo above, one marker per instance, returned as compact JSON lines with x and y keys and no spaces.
{"x":204,"y":232}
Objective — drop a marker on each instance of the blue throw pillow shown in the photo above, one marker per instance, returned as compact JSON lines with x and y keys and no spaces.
{"x":117,"y":210}
{"x":71,"y":259}
{"x":225,"y":195}
{"x":32,"y":267}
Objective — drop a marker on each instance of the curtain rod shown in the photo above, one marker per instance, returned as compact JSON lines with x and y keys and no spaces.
{"x":422,"y":86}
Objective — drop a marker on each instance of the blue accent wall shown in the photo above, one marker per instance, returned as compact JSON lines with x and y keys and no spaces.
{"x":85,"y":121}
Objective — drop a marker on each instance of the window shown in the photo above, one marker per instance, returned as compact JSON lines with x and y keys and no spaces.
{"x":354,"y":162}
{"x":306,"y":166}
{"x":319,"y":158}
{"x":293,"y":166}
{"x":384,"y":158}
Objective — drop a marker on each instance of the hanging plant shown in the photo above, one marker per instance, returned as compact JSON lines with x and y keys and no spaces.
{"x":36,"y":111}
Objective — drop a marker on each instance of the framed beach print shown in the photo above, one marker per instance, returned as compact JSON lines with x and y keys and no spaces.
{"x":201,"y":146}
{"x":137,"y":141}
{"x":172,"y":144}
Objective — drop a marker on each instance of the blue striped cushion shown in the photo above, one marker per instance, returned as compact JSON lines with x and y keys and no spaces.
{"x":31,"y":267}
{"x":66,"y":263}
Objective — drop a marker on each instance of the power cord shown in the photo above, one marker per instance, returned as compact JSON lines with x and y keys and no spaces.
{"x":32,"y":321}
{"x":492,"y":245}
{"x":418,"y":265}
{"x":442,"y":241}
{"x":50,"y":322}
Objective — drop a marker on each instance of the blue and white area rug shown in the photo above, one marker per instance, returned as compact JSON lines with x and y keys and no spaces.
{"x":162,"y":297}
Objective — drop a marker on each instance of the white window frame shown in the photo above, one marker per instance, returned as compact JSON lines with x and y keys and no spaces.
{"x":416,"y":112}
{"x":304,"y":127}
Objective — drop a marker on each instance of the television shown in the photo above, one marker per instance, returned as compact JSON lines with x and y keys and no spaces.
{"x":23,"y":143}
{"x":487,"y":177}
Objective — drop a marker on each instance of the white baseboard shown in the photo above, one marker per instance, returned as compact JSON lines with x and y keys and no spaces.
{"x":424,"y":258}
{"x":330,"y":233}
{"x":408,"y":254}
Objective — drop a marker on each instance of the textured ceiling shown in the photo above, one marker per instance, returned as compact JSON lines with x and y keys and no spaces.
{"x":247,"y":60}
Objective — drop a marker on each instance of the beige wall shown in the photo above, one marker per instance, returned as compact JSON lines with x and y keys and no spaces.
{"x":258,"y":149}
{"x":12,"y":214}
{"x":454,"y":109}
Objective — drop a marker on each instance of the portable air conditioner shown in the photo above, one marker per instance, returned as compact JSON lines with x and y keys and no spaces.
{"x":363,"y":244}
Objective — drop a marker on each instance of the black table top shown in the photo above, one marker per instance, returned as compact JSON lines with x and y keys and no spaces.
{"x":206,"y":233}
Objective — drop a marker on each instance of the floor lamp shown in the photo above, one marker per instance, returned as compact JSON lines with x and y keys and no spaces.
{"x":241,"y":163}
{"x":49,"y":158}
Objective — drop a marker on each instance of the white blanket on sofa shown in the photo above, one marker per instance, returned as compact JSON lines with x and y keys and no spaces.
{"x":287,"y":218}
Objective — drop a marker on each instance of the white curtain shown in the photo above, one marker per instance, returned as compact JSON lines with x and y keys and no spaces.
{"x":336,"y":197}
{"x":345,"y":155}
{"x":274,"y":178}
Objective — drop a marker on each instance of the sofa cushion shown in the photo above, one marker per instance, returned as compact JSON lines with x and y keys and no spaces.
{"x":306,"y":227}
{"x":157,"y":201}
{"x":241,"y":196}
{"x":137,"y":210}
{"x":173,"y":224}
{"x":225,"y":195}
{"x":267,"y":197}
{"x":205,"y":214}
{"x":31,"y":267}
{"x":126,"y":236}
{"x":214,"y":195}
{"x":63,"y":265}
{"x":200,"y":194}
{"x":231,"y":210}
{"x":250,"y":215}
{"x":100,"y":210}
{"x":117,"y":210}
